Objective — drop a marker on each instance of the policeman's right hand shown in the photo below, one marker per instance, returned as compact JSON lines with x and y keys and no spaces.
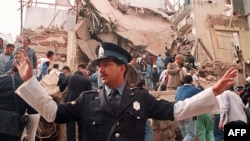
{"x":23,"y":65}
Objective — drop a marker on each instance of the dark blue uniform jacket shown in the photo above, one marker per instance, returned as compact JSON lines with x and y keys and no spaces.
{"x":8,"y":104}
{"x":95,"y":118}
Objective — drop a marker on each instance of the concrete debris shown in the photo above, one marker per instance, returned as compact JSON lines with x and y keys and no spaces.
{"x":138,"y":30}
{"x":146,"y":29}
{"x":45,"y":39}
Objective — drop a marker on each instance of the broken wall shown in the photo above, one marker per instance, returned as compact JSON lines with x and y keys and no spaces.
{"x":45,"y":39}
{"x":49,"y":17}
{"x":48,"y":30}
{"x":140,"y":32}
{"x":222,"y":35}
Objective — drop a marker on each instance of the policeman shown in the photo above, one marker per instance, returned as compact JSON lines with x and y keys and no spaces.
{"x":124,"y":116}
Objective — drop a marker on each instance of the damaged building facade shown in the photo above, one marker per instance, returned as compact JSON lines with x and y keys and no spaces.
{"x":216,"y":33}
{"x":73,"y":30}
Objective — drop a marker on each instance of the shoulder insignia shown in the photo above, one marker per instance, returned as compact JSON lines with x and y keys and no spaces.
{"x":90,"y":92}
{"x":73,"y":102}
{"x":157,"y":98}
{"x":137,"y":88}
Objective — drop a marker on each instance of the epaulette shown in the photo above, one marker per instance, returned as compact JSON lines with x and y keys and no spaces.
{"x":137,"y":88}
{"x":91,"y":91}
{"x":84,"y":93}
{"x":72,"y":102}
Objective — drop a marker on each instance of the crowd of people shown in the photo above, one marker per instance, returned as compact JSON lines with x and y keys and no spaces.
{"x":90,"y":95}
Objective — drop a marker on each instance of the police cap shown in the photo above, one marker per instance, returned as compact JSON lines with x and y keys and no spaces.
{"x":109,"y":50}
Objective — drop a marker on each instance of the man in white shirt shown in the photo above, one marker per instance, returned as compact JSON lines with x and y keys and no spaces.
{"x":230,"y":104}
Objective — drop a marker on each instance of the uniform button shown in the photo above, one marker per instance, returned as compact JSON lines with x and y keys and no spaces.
{"x":117,"y":124}
{"x":117,"y":135}
{"x":132,"y":93}
{"x":138,"y":117}
{"x":93,"y":123}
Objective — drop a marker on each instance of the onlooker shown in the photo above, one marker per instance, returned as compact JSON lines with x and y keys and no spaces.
{"x":247,"y":90}
{"x":155,"y":77}
{"x":204,"y":124}
{"x":132,"y":77}
{"x":218,"y":133}
{"x":30,"y":53}
{"x":240,"y":91}
{"x":11,"y":106}
{"x":163,"y":80}
{"x":191,"y":60}
{"x":83,"y":68}
{"x":149,"y":77}
{"x":1,"y":45}
{"x":5,"y":57}
{"x":174,"y":79}
{"x":159,"y":63}
{"x":168,"y":59}
{"x":92,"y":73}
{"x":94,"y":76}
{"x":141,"y":65}
{"x":231,"y":103}
{"x":63,"y":78}
{"x":43,"y":65}
{"x":187,"y":126}
{"x":77,"y":84}
{"x":205,"y":127}
{"x":196,"y":81}
{"x":182,"y":72}
{"x":55,"y":69}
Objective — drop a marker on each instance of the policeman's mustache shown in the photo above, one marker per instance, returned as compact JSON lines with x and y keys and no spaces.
{"x":103,"y":75}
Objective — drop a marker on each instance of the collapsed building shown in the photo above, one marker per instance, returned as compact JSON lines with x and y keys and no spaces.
{"x":138,"y":30}
{"x":73,"y":31}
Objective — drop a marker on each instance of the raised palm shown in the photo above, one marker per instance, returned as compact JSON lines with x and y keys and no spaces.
{"x":23,"y":65}
{"x":226,"y":81}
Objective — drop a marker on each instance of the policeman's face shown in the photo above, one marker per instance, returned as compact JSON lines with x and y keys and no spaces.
{"x":110,"y":73}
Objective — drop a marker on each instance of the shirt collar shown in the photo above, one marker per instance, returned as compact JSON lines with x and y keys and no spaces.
{"x":120,"y":89}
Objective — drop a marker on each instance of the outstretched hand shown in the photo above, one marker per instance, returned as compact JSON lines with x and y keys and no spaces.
{"x":23,"y":65}
{"x":225,"y":82}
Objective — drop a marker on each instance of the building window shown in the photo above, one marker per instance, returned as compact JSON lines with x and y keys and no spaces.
{"x":187,"y":2}
{"x":238,"y":7}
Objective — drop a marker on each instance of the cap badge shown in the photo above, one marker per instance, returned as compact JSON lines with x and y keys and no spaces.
{"x":101,"y":51}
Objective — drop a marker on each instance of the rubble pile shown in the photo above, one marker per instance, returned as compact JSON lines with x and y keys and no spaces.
{"x":137,"y":30}
{"x":44,"y":39}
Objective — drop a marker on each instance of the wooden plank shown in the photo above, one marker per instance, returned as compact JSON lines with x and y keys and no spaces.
{"x":205,"y":49}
